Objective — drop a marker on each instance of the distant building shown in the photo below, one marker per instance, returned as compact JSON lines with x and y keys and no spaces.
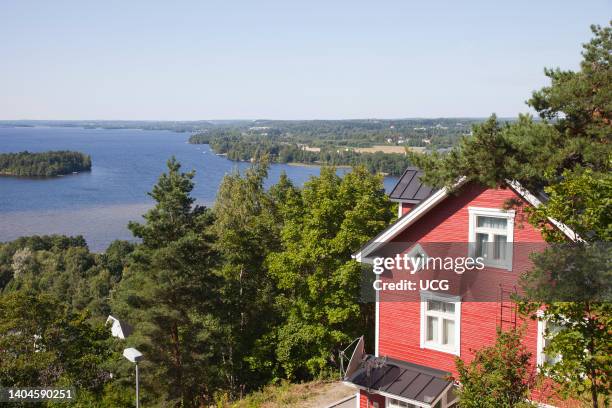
{"x":119,"y":328}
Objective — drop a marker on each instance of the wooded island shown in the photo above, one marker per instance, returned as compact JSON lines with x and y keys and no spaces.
{"x":44,"y":164}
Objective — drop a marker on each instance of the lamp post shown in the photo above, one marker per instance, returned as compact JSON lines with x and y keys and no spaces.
{"x":134,"y":356}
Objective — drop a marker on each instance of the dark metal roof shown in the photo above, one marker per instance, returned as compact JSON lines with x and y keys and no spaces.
{"x":126,"y":328}
{"x":409,"y":187}
{"x":406,"y":380}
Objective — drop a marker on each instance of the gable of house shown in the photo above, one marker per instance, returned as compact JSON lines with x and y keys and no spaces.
{"x":400,"y":328}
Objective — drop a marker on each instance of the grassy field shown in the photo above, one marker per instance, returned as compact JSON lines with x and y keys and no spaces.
{"x":307,"y":395}
{"x":387,"y":149}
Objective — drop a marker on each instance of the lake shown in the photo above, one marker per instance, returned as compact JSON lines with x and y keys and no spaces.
{"x":126,"y":164}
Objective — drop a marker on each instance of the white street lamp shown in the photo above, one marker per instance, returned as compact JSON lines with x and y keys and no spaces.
{"x":134,"y":356}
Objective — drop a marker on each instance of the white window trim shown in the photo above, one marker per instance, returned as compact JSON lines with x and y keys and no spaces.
{"x":377,"y":324}
{"x":388,"y":399}
{"x":425,"y":296}
{"x":540,"y":354}
{"x":540,"y":340}
{"x":443,"y":398}
{"x":497,"y":213}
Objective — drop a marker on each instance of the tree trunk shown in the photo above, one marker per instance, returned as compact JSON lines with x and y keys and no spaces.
{"x":594,"y":396}
{"x":178,"y":361}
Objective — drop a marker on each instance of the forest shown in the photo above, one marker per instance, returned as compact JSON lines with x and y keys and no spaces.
{"x":219,"y":298}
{"x":335,"y":143}
{"x":44,"y":164}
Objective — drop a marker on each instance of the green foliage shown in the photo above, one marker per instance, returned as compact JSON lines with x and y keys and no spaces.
{"x":317,"y":280}
{"x":44,"y":164}
{"x":583,"y":200}
{"x":573,"y":283}
{"x":246,"y":148}
{"x":62,"y":267}
{"x":440,"y":132}
{"x":214,"y":308}
{"x":524,"y":150}
{"x":584,"y":342}
{"x":115,"y":258}
{"x":499,"y":376}
{"x":568,"y":155}
{"x":247,"y":228}
{"x":44,"y":344}
{"x":167,"y":293}
{"x":332,"y":143}
{"x":575,"y":130}
{"x":581,"y":102}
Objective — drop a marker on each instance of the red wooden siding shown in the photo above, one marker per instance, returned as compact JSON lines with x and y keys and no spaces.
{"x":367,"y":400}
{"x":406,"y":207}
{"x":399,"y":329}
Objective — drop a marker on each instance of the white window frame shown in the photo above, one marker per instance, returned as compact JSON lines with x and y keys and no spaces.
{"x":508,"y":215}
{"x":541,"y":354}
{"x":391,"y":402}
{"x":456,"y":300}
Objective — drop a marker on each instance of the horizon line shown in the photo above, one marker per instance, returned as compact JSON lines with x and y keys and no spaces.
{"x":262,"y":119}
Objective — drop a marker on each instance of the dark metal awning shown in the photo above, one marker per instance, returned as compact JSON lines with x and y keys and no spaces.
{"x":407,"y":381}
{"x":409,"y":187}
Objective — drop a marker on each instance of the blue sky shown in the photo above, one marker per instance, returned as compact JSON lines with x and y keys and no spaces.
{"x":184,"y":60}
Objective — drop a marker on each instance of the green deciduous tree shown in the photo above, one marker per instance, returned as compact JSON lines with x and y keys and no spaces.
{"x":247,"y":226}
{"x":62,"y":267}
{"x":167,"y":293}
{"x":44,"y":344}
{"x":499,"y":376}
{"x":317,"y":280}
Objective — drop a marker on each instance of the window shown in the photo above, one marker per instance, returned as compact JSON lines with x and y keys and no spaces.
{"x":393,"y":403}
{"x":546,"y":331}
{"x":440,"y":320}
{"x":491,"y":236}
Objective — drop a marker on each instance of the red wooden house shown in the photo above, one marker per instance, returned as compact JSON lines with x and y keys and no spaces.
{"x":418,"y":338}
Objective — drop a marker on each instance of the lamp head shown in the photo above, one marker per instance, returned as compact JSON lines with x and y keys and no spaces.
{"x":133,"y":355}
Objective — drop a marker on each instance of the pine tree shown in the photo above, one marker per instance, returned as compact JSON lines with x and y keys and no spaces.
{"x":167,"y":293}
{"x":566,"y":154}
{"x":575,"y":131}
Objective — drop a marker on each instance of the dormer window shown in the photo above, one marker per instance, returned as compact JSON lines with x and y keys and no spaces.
{"x":491,"y":235}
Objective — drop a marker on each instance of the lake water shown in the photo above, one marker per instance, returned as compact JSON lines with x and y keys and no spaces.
{"x":126,"y":164}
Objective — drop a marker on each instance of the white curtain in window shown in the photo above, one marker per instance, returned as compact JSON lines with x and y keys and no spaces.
{"x":492,"y":222}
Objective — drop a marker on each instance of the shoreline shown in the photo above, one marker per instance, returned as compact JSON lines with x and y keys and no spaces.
{"x":298,"y":164}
